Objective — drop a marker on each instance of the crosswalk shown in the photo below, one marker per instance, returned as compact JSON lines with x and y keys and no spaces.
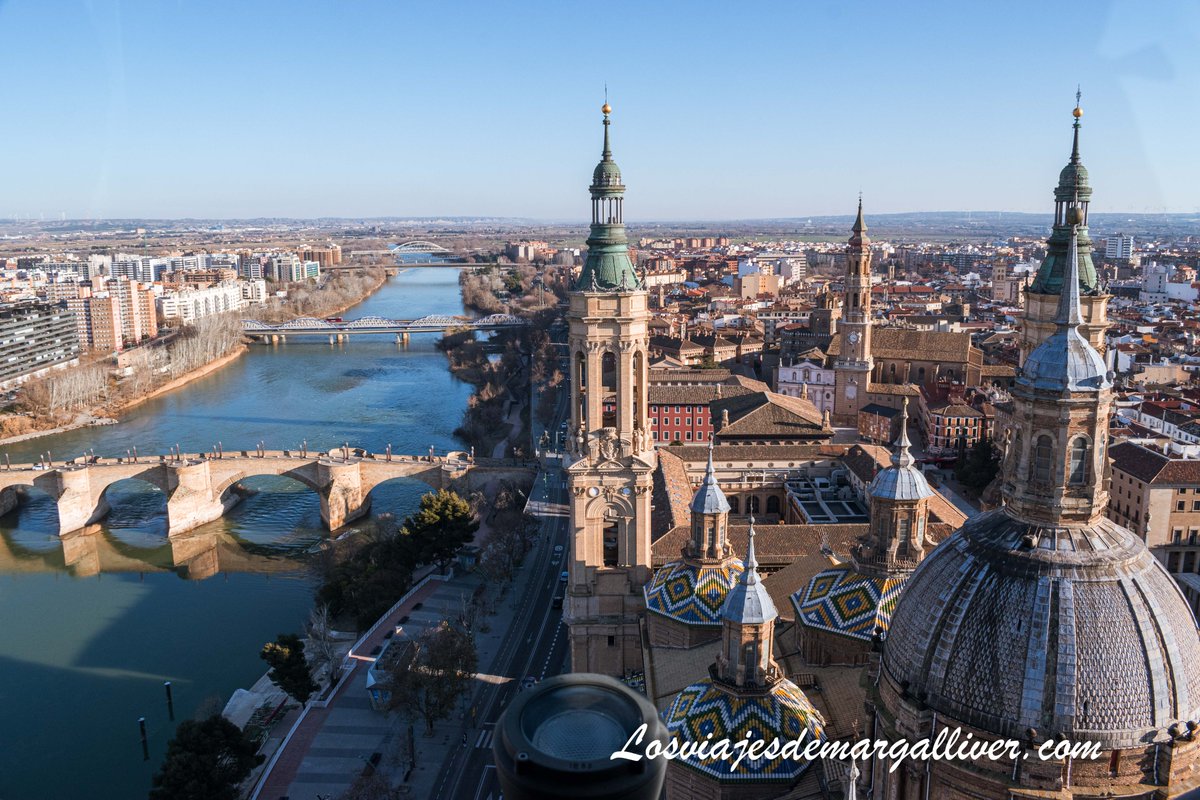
{"x":484,"y":740}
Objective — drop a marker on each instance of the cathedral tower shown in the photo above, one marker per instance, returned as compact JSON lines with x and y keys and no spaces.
{"x":1044,"y":620}
{"x":1041,"y":298}
{"x":610,"y":458}
{"x":852,"y":370}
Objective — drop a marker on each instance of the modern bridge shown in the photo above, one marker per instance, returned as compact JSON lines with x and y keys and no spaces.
{"x":201,"y":488}
{"x":401,"y":328}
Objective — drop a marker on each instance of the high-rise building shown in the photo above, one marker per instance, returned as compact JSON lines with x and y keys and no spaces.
{"x":1041,"y":298}
{"x":1119,"y":247}
{"x":35,"y":337}
{"x":611,"y":456}
{"x":139,"y":321}
{"x":326,"y":256}
{"x":117,"y":315}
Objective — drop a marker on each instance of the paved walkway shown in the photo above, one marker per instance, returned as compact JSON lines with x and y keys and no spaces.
{"x":333,"y":744}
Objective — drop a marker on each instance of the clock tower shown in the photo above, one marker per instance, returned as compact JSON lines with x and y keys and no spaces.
{"x":852,"y":369}
{"x":610,"y":459}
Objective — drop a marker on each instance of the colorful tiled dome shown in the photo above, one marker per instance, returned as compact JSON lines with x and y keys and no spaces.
{"x":707,"y":711}
{"x":846,"y":602}
{"x":691,"y":593}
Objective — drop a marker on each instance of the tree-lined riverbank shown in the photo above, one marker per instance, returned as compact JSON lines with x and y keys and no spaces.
{"x":91,"y":654}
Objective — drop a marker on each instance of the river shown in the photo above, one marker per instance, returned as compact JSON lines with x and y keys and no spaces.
{"x":93,"y":626}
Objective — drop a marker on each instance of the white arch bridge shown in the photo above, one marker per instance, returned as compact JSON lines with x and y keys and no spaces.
{"x":337,"y":329}
{"x":418,"y":246}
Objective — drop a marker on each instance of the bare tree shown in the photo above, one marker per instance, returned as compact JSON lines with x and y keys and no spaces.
{"x":322,"y":647}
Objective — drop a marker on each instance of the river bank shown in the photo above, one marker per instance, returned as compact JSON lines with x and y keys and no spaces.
{"x":95,"y":624}
{"x":184,"y":380}
{"x":104,"y":414}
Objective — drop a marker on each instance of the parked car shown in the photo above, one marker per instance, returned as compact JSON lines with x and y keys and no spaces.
{"x":563,"y":576}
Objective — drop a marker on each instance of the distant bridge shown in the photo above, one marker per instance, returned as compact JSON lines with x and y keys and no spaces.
{"x":203,"y":487}
{"x":418,"y":246}
{"x":401,"y":328}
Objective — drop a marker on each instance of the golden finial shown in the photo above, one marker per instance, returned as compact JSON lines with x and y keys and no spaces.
{"x":606,"y":108}
{"x":1078,"y":112}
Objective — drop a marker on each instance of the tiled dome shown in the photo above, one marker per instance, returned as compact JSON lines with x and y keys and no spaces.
{"x":692,"y":593}
{"x":1078,"y":632}
{"x":782,"y":712}
{"x":842,"y":601}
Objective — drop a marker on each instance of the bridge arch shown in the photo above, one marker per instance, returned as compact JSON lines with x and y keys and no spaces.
{"x":291,"y":501}
{"x":419,"y":246}
{"x":135,"y":510}
{"x":27,"y":503}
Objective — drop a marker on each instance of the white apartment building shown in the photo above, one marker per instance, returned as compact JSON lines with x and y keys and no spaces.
{"x":1119,"y":247}
{"x":254,"y":292}
{"x":188,"y":305}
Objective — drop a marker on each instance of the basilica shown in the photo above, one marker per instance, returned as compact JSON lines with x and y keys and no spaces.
{"x":774,"y":583}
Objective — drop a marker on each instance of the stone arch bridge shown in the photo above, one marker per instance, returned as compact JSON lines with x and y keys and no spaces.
{"x":201,"y":488}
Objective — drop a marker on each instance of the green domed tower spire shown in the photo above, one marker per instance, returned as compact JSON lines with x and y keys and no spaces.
{"x":608,"y":267}
{"x":1072,"y":184}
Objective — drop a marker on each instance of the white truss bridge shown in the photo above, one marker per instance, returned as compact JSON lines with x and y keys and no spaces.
{"x":434,"y":323}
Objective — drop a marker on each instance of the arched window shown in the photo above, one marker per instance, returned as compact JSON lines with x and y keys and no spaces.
{"x":773,"y":504}
{"x":1081,"y":457}
{"x":611,"y":545}
{"x":581,"y":387}
{"x":752,"y":505}
{"x":733,"y":505}
{"x":1043,"y":459}
{"x":750,"y":661}
{"x":608,"y":379}
{"x":639,"y":382}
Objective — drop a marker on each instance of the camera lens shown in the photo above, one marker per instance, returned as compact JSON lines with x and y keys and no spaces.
{"x":557,"y":740}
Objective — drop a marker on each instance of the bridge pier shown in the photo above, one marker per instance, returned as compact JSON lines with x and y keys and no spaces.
{"x":402,"y":338}
{"x":191,"y":499}
{"x":78,"y":504}
{"x":343,"y":498}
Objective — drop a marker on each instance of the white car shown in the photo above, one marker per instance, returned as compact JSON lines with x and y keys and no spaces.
{"x":563,"y":576}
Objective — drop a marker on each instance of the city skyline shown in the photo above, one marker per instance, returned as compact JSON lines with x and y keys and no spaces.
{"x":224,"y":112}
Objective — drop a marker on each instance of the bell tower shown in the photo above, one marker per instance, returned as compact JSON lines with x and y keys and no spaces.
{"x":852,"y":370}
{"x":1041,"y":298}
{"x":1057,"y":469}
{"x":610,"y":457}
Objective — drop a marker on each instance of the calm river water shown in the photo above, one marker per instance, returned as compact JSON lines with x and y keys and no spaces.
{"x":91,"y":627}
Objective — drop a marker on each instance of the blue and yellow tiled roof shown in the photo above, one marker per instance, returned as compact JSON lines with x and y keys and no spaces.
{"x":705,"y":711}
{"x":692,"y":593}
{"x":842,"y":601}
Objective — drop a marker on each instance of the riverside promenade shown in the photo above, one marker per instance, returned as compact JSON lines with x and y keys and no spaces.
{"x":321,"y":750}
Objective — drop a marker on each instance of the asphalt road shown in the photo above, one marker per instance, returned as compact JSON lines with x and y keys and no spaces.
{"x":536,"y":645}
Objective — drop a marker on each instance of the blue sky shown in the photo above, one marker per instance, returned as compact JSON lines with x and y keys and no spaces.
{"x":724,"y":110}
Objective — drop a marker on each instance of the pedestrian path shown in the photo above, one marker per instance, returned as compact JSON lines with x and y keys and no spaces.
{"x":334,"y":745}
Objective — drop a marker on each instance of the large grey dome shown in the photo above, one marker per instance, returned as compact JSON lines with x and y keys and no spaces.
{"x":1080,"y":632}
